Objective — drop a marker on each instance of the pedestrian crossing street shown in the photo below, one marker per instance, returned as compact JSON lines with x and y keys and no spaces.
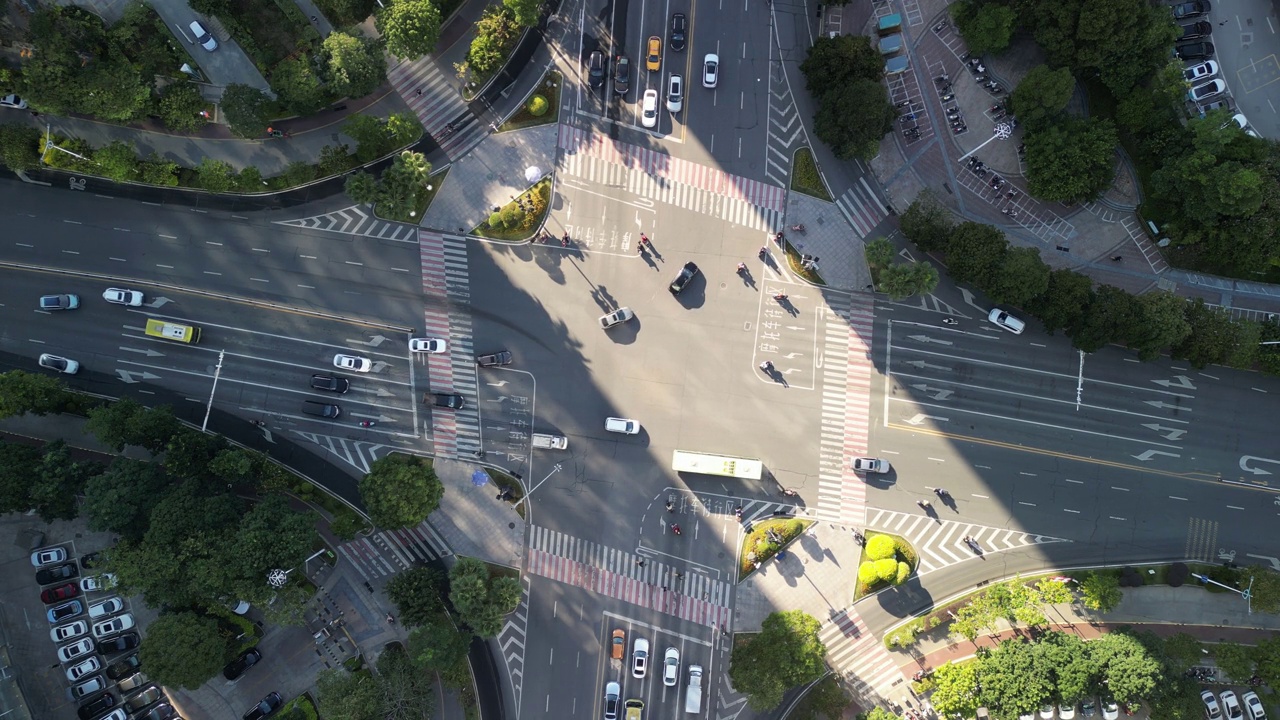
{"x":846,"y":407}
{"x":448,"y":291}
{"x":861,"y":208}
{"x":355,"y":220}
{"x":391,"y":551}
{"x":614,"y":573}
{"x":853,"y":651}
{"x":940,"y":543}
{"x":436,"y":100}
{"x":673,"y":181}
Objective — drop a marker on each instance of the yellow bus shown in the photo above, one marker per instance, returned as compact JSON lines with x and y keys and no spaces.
{"x":173,"y":331}
{"x":723,"y":465}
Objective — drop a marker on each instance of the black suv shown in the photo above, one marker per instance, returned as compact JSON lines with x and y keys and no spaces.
{"x":502,"y":357}
{"x":241,"y":665}
{"x":57,"y":573}
{"x":687,"y":273}
{"x":97,"y":706}
{"x":621,"y":75}
{"x":331,"y":383}
{"x":121,"y":668}
{"x":265,"y":707}
{"x":679,"y":26}
{"x":1194,"y":50}
{"x":595,"y":69}
{"x":447,"y":400}
{"x":118,"y":644}
{"x":1193,"y":30}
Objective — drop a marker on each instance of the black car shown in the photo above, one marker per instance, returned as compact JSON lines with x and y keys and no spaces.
{"x":595,"y":69}
{"x":1185,"y":10}
{"x":97,"y":706}
{"x":330,"y":383}
{"x":447,"y":400}
{"x":150,"y":694}
{"x":502,"y":357}
{"x":241,"y":665}
{"x":1193,"y":30}
{"x":621,"y":75}
{"x":163,"y":711}
{"x":1194,"y":50}
{"x":118,"y":644}
{"x":265,"y":707}
{"x":57,"y":573}
{"x":679,"y":26}
{"x":89,"y":560}
{"x":682,"y":280}
{"x":124,"y":667}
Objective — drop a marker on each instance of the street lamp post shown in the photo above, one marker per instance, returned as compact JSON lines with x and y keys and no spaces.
{"x":1247,"y":593}
{"x":1002,"y":131}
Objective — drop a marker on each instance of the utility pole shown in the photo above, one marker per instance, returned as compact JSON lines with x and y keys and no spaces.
{"x":216,"y":373}
{"x":1247,"y":593}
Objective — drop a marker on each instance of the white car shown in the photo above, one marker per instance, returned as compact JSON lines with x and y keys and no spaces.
{"x":639,"y":657}
{"x":1200,"y":93}
{"x":117,"y":624}
{"x":870,"y":465}
{"x":1253,"y":706}
{"x":13,"y":101}
{"x":118,"y":296}
{"x":48,"y":556}
{"x":617,"y":317}
{"x":675,"y":93}
{"x":97,"y":583}
{"x":203,"y":38}
{"x":649,"y":108}
{"x":84,"y":669}
{"x":70,"y":652}
{"x":710,"y":70}
{"x":1204,"y":70}
{"x":104,"y":608}
{"x":1006,"y":321}
{"x":427,"y":345}
{"x":88,"y":687}
{"x":354,"y":363}
{"x":1231,"y":706}
{"x":1211,"y":709}
{"x":671,"y":667}
{"x":622,"y":425}
{"x":1240,"y":120}
{"x":70,"y":631}
{"x":612,"y":697}
{"x":59,"y":363}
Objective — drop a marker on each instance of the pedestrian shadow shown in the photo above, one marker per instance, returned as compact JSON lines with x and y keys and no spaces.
{"x":747,"y":279}
{"x":648,"y":260}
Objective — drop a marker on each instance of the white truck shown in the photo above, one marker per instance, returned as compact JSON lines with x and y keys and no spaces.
{"x":693,"y":693}
{"x":550,"y":442}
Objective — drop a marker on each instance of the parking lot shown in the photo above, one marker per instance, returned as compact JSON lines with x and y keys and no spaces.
{"x":1246,"y":41}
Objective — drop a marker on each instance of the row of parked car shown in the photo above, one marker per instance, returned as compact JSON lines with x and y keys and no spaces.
{"x":1230,"y":707}
{"x":87,"y":636}
{"x":1206,"y":90}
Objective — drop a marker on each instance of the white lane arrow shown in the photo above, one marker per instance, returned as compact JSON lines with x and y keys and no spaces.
{"x":500,"y":383}
{"x":148,"y":352}
{"x":1168,"y":433}
{"x":375,"y":341}
{"x":379,"y":391}
{"x":1275,"y":562}
{"x":927,"y":339}
{"x":919,"y":419}
{"x":1244,"y":464}
{"x":159,"y":302}
{"x":922,"y":365}
{"x":127,"y":376}
{"x":938,"y":393}
{"x":1166,"y":406}
{"x":1181,"y":381}
{"x":267,"y":434}
{"x":1152,"y":453}
{"x":375,"y":418}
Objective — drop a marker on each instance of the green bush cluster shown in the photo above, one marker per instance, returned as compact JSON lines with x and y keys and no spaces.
{"x":888,"y":560}
{"x":538,"y":106}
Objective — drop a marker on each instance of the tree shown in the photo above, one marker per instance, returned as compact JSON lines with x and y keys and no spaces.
{"x":356,"y":65}
{"x":157,"y":171}
{"x":298,"y":86}
{"x":406,"y":693}
{"x":828,"y":699}
{"x":117,"y":160}
{"x":986,"y":27}
{"x":18,"y":464}
{"x":835,"y":61}
{"x":410,"y":28}
{"x":153,"y":428}
{"x":361,"y":187}
{"x":1267,"y":654}
{"x":120,"y":499}
{"x":334,"y":159}
{"x":1042,"y":95}
{"x":879,"y":252}
{"x":786,"y":653}
{"x":247,"y":109}
{"x":902,"y":280}
{"x":495,"y":33}
{"x":975,"y":253}
{"x":1022,"y":276}
{"x":58,"y":481}
{"x":482,"y":601}
{"x":234,"y":465}
{"x":437,"y":644}
{"x":1130,"y":673}
{"x":927,"y":223}
{"x":370,"y":134}
{"x":112,"y":89}
{"x":1100,"y":591}
{"x":342,"y":695}
{"x":524,"y":12}
{"x":19,"y":147}
{"x":1121,"y":41}
{"x":298,"y":172}
{"x":1266,"y":590}
{"x":403,"y":182}
{"x":1182,"y":651}
{"x":400,"y":490}
{"x":180,"y":107}
{"x":189,"y":452}
{"x":1068,"y":658}
{"x":1071,"y":159}
{"x":215,"y":175}
{"x":183,"y":649}
{"x":110,"y":423}
{"x":1235,"y":660}
{"x":853,"y":118}
{"x":270,"y":536}
{"x":417,"y":594}
{"x":402,"y":128}
{"x":1111,"y":317}
{"x":955,"y":690}
{"x":1014,"y":679}
{"x":23,"y":392}
{"x":1064,"y":301}
{"x":1162,"y":325}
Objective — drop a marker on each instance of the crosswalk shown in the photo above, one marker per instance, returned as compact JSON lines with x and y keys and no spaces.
{"x":940,"y":543}
{"x":447,"y":287}
{"x":356,"y":453}
{"x":658,"y":176}
{"x":355,"y":220}
{"x":861,"y":208}
{"x":615,"y":573}
{"x":435,"y":99}
{"x":846,"y":398}
{"x":858,"y":655}
{"x":391,"y":551}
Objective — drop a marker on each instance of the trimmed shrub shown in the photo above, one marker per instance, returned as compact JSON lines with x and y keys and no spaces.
{"x":904,"y":572}
{"x":880,"y":547}
{"x":887,"y":569}
{"x":538,"y":106}
{"x":867,"y":573}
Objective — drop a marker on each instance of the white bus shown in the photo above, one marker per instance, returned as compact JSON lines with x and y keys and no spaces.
{"x":723,"y":465}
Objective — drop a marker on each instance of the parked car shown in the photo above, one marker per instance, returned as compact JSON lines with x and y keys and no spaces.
{"x":117,"y":714}
{"x":595,"y":69}
{"x":163,"y":711}
{"x":143,"y":698}
{"x":621,"y":75}
{"x":57,"y":573}
{"x":710,"y":70}
{"x":59,"y":593}
{"x":84,"y":669}
{"x":1194,"y":50}
{"x":65,"y":611}
{"x":675,"y":93}
{"x":106,"y":607}
{"x":13,"y":101}
{"x":89,"y":560}
{"x":83,"y":690}
{"x":870,"y":465}
{"x":117,"y":624}
{"x":202,"y":36}
{"x":427,"y":345}
{"x":649,"y":108}
{"x":1202,"y":71}
{"x":98,"y":583}
{"x":132,"y":682}
{"x":1231,"y":706}
{"x":354,"y":363}
{"x":612,"y":693}
{"x":502,"y":357}
{"x":622,"y":425}
{"x":118,"y":644}
{"x":58,"y":364}
{"x":1006,"y":321}
{"x":1194,"y":30}
{"x":70,"y":631}
{"x":639,"y":658}
{"x":265,"y":707}
{"x":687,"y":273}
{"x":59,"y":302}
{"x":1195,"y":8}
{"x":1211,"y":709}
{"x":1067,"y":710}
{"x":1253,"y":706}
{"x":96,"y":706}
{"x":241,"y":664}
{"x":1207,"y":90}
{"x":124,"y":667}
{"x":118,"y":296}
{"x":1110,"y":711}
{"x":48,"y":556}
{"x":71,"y":651}
{"x":617,"y":317}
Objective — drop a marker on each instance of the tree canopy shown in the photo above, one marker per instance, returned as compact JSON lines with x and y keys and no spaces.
{"x":400,"y":490}
{"x":183,"y":649}
{"x":786,"y":653}
{"x":410,"y":28}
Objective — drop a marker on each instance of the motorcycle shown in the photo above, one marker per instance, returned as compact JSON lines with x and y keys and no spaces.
{"x":738,"y":513}
{"x":948,"y":97}
{"x":742,"y":267}
{"x":800,"y":227}
{"x":367,"y":423}
{"x":564,"y":240}
{"x":766,"y":366}
{"x":780,"y":297}
{"x":950,"y":321}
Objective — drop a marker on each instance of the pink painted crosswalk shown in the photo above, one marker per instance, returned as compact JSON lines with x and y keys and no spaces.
{"x":614,"y":573}
{"x":434,"y":98}
{"x":858,"y":655}
{"x":846,"y":405}
{"x":447,"y":289}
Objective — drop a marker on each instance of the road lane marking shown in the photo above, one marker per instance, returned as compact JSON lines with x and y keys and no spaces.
{"x":1175,"y":497}
{"x":118,"y":259}
{"x":1121,"y":489}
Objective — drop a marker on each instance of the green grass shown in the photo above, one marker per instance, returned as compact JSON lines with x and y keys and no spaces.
{"x":548,"y":88}
{"x":805,"y":177}
{"x":510,"y":484}
{"x":756,"y":543}
{"x":523,"y":224}
{"x":300,"y":708}
{"x":793,"y":262}
{"x":434,"y":183}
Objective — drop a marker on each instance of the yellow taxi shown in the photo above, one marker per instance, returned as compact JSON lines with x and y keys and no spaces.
{"x":653,"y":57}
